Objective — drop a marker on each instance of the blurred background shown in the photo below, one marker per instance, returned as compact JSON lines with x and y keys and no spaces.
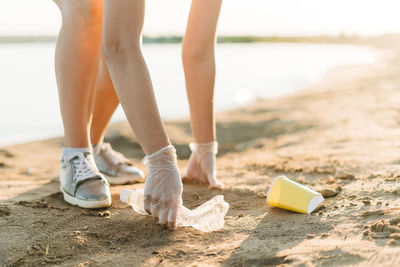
{"x":266,"y":49}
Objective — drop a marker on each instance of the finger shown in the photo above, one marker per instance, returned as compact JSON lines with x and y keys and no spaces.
{"x":186,"y":179}
{"x":155,"y":210}
{"x":203,"y":178}
{"x":213,"y":181}
{"x":163,"y":217}
{"x":147,"y":204}
{"x":172,"y":216}
{"x":190,"y":173}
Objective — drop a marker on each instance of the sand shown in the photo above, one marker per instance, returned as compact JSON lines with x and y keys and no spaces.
{"x":340,"y":136}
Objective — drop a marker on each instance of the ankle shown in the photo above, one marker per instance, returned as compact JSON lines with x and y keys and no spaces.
{"x":68,"y":151}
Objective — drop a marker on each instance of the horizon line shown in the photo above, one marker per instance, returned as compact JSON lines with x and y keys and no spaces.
{"x":220,"y":39}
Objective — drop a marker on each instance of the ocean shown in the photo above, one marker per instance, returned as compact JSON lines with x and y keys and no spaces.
{"x":245,"y":72}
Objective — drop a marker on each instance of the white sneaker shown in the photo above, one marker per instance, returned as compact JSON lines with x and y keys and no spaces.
{"x":119,"y":169}
{"x":81,"y":182}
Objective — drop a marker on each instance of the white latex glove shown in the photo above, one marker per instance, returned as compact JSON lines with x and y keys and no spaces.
{"x":163,"y":187}
{"x":202,"y":164}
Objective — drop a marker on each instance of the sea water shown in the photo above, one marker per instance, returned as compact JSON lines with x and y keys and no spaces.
{"x":28,"y":93}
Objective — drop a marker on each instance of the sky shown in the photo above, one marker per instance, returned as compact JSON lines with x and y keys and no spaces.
{"x":238,"y":17}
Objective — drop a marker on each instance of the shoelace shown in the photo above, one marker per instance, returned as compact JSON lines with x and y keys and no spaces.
{"x":116,"y":157}
{"x":84,"y":168}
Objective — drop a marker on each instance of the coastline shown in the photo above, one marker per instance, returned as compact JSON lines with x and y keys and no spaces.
{"x":341,"y":134}
{"x":276,"y":69}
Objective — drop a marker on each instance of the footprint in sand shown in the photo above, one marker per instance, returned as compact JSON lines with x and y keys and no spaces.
{"x":33,"y":204}
{"x":385,"y":229}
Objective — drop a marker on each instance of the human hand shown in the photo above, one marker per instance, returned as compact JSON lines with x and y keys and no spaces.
{"x":202,"y":164}
{"x":163,"y":187}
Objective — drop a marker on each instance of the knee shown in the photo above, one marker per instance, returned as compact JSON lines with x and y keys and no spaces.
{"x":88,"y":13}
{"x":197,"y":51}
{"x":119,"y":47}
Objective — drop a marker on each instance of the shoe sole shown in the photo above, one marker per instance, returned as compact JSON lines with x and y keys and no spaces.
{"x":124,"y":180}
{"x":85,"y":203}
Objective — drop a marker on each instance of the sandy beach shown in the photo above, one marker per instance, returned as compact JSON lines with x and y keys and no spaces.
{"x":340,"y":136}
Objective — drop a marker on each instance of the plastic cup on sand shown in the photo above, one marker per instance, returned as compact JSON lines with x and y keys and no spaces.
{"x":287,"y":194}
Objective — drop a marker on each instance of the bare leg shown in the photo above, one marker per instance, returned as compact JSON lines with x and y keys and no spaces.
{"x":123,"y":22}
{"x":118,"y":168}
{"x":199,"y":65}
{"x":77,"y":61}
{"x":105,"y":103}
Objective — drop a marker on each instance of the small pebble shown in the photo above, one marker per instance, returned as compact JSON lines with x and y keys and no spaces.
{"x":328,"y":192}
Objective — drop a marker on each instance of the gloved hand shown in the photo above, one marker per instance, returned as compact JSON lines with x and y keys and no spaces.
{"x":202,"y":164}
{"x":163,"y":187}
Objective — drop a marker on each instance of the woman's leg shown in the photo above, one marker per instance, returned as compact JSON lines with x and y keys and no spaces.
{"x":118,"y":168}
{"x":123,"y":22}
{"x":105,"y":103}
{"x":77,"y":61}
{"x":199,"y":66}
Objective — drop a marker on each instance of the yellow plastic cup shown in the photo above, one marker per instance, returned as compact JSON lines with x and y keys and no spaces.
{"x":287,"y":194}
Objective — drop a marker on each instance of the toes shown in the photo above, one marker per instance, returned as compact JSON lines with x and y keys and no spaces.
{"x":172,"y":216}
